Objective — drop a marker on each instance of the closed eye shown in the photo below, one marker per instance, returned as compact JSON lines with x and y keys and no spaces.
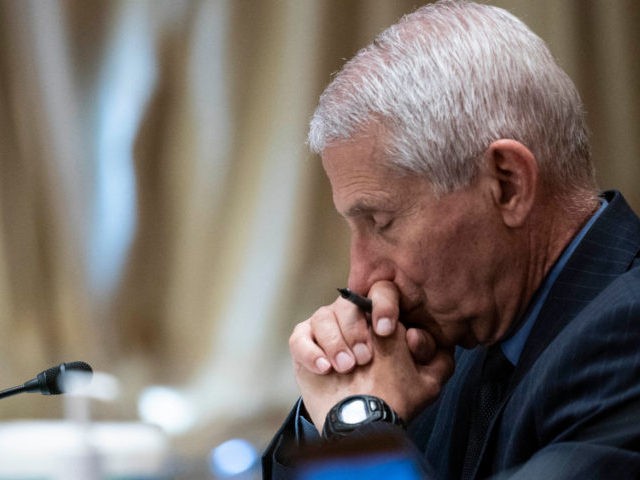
{"x":382,"y":224}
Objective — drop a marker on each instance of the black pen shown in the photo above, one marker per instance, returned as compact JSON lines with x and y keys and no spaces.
{"x":361,"y":302}
{"x":366,"y":305}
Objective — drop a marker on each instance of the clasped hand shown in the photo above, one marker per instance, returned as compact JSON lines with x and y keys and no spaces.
{"x":336,"y":353}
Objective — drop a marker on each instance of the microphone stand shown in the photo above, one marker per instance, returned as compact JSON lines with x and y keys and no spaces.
{"x":12,"y":391}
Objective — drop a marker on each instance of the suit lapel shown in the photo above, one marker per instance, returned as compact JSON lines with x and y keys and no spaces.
{"x":608,"y":250}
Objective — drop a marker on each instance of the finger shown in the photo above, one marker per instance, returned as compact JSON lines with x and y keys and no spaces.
{"x":305,"y":352}
{"x":355,"y":330}
{"x":438,"y":371}
{"x":327,"y":334}
{"x":385,"y":298}
{"x":421,"y":345}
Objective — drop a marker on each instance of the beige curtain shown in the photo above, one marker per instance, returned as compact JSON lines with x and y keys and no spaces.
{"x":160,"y":216}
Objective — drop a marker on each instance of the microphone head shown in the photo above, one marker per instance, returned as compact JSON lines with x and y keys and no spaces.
{"x":64,"y":378}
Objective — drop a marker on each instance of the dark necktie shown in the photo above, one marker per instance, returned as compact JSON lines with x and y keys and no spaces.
{"x":494,"y":380}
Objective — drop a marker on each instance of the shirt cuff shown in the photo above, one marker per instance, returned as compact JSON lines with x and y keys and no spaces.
{"x":305,"y":430}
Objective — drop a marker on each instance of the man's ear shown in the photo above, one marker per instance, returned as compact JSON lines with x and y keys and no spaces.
{"x":513,"y":170}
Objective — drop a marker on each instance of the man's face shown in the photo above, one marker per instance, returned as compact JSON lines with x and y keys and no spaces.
{"x":446,"y":254}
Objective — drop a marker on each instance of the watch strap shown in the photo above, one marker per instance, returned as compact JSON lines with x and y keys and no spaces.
{"x":375,"y":410}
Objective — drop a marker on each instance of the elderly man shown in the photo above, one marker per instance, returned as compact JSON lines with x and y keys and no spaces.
{"x":504,"y":336}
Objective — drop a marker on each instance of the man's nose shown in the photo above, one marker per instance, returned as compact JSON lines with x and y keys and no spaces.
{"x":367,"y":266}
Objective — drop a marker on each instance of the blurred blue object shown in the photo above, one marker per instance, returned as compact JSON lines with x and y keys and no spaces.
{"x":233,"y":457}
{"x":382,"y":466}
{"x":126,"y":83}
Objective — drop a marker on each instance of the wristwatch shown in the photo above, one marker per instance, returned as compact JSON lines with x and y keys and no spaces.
{"x":355,"y":411}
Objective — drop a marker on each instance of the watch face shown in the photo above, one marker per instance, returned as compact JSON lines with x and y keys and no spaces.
{"x":353,"y":412}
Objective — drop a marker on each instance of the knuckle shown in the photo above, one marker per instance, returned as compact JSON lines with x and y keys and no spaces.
{"x":297,"y":332}
{"x":332,"y":338}
{"x":321,"y":317}
{"x":355,"y":330}
{"x":293,"y":340}
{"x":323,"y":312}
{"x":434,"y":386}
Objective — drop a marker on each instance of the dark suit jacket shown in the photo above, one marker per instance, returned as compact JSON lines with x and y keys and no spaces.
{"x":573,"y":406}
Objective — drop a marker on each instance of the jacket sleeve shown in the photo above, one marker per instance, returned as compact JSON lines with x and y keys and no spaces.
{"x":294,"y":434}
{"x":297,"y":440}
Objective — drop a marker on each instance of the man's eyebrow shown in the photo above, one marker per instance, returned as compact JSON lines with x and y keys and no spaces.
{"x":362,"y":208}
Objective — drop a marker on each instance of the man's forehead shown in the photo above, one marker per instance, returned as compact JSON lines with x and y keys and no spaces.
{"x":364,"y":186}
{"x":355,"y":165}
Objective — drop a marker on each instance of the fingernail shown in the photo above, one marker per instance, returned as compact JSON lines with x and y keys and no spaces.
{"x":344,"y":361}
{"x":362,"y":353}
{"x":323,"y":364}
{"x":383,"y":327}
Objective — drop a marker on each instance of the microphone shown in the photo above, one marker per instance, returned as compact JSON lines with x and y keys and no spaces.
{"x":55,"y":380}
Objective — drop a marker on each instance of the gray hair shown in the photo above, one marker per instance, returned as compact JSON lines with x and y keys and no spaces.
{"x":445,"y":82}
